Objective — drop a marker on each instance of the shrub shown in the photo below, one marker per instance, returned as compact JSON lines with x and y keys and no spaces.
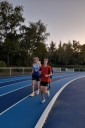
{"x":2,"y":64}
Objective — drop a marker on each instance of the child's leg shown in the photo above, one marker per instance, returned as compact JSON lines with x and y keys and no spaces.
{"x":33,"y":81}
{"x":45,"y":89}
{"x":37,"y":85}
{"x":42,"y":92}
{"x":32,"y":94}
{"x":50,"y":83}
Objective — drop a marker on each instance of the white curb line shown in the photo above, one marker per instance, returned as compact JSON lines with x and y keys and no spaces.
{"x":44,"y":115}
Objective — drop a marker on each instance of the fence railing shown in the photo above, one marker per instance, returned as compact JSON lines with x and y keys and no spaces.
{"x":11,"y":71}
{"x":14,"y":71}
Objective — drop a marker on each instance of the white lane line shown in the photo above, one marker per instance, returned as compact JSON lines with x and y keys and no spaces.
{"x":15,"y":104}
{"x":24,"y":99}
{"x":19,"y":82}
{"x":29,"y":77}
{"x":27,"y":80}
{"x":15,"y":90}
{"x":44,"y":115}
{"x":15,"y":80}
{"x":10,"y":77}
{"x":14,"y":83}
{"x":20,"y":101}
{"x":26,"y":86}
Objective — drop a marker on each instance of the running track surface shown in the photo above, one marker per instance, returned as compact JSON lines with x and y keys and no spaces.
{"x":68,"y":110}
{"x":19,"y":110}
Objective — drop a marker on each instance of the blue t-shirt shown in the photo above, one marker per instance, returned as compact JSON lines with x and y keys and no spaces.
{"x":36,"y":66}
{"x":52,"y":73}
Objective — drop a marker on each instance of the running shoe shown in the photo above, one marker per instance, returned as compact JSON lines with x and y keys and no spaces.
{"x":43,"y":101}
{"x":37,"y":92}
{"x":32,"y":94}
{"x":48,"y":93}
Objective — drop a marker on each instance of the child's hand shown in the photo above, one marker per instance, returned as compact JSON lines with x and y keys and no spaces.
{"x":36,"y":70}
{"x":46,"y":75}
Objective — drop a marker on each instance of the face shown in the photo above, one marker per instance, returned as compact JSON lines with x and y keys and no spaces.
{"x":45,"y":61}
{"x":35,"y":59}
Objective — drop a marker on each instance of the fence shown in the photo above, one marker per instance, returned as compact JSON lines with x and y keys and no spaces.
{"x":14,"y":71}
{"x":11,"y":71}
{"x":56,"y":69}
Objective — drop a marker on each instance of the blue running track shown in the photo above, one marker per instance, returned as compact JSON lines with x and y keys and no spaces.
{"x":69,"y":109}
{"x":19,"y":110}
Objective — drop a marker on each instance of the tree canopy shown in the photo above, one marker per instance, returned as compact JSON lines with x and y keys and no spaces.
{"x":20,"y":43}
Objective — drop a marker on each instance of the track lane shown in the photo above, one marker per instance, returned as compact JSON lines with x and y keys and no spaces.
{"x":15,"y":96}
{"x":26,"y":113}
{"x":69,"y":108}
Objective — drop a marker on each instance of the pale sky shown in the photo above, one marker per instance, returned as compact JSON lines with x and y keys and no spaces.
{"x":65,"y":19}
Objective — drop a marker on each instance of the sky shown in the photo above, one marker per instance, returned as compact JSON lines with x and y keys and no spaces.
{"x":65,"y":19}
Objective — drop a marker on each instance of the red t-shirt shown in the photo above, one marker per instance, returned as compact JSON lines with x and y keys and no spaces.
{"x":45,"y":71}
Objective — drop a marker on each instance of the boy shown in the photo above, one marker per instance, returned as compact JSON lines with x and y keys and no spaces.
{"x":35,"y":75}
{"x":45,"y":72}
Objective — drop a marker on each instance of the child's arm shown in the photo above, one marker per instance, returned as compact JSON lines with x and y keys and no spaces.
{"x":48,"y":75}
{"x":40,"y":69}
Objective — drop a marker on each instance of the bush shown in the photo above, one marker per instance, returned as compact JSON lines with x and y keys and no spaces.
{"x":2,"y":64}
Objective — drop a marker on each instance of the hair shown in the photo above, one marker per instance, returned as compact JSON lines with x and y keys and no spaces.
{"x":37,"y":58}
{"x":46,"y":59}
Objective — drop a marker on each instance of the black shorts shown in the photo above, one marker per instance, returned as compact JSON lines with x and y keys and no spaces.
{"x":43,"y":83}
{"x":34,"y":77}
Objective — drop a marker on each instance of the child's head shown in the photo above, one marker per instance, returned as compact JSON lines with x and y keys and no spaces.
{"x":36,"y":59}
{"x":45,"y":60}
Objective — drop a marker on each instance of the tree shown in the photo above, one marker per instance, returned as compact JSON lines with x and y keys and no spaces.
{"x":82,"y":53}
{"x":76,"y":45}
{"x":52,"y":47}
{"x":68,"y":53}
{"x":52,"y":53}
{"x":37,"y":34}
{"x":60,"y":44}
{"x":76,"y":52}
{"x":41,"y":51}
{"x":33,"y":39}
{"x":10,"y":19}
{"x":60,"y":53}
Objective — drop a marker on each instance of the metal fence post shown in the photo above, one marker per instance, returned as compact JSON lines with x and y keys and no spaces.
{"x":23,"y":71}
{"x":10,"y":72}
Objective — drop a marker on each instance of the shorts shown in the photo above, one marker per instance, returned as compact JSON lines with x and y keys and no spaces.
{"x":43,"y":83}
{"x":50,"y":77}
{"x":34,"y":77}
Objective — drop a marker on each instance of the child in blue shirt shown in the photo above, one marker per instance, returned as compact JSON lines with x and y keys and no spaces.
{"x":51,"y":77}
{"x":35,"y":75}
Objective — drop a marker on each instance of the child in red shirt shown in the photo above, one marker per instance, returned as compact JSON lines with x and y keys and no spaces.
{"x":45,"y":72}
